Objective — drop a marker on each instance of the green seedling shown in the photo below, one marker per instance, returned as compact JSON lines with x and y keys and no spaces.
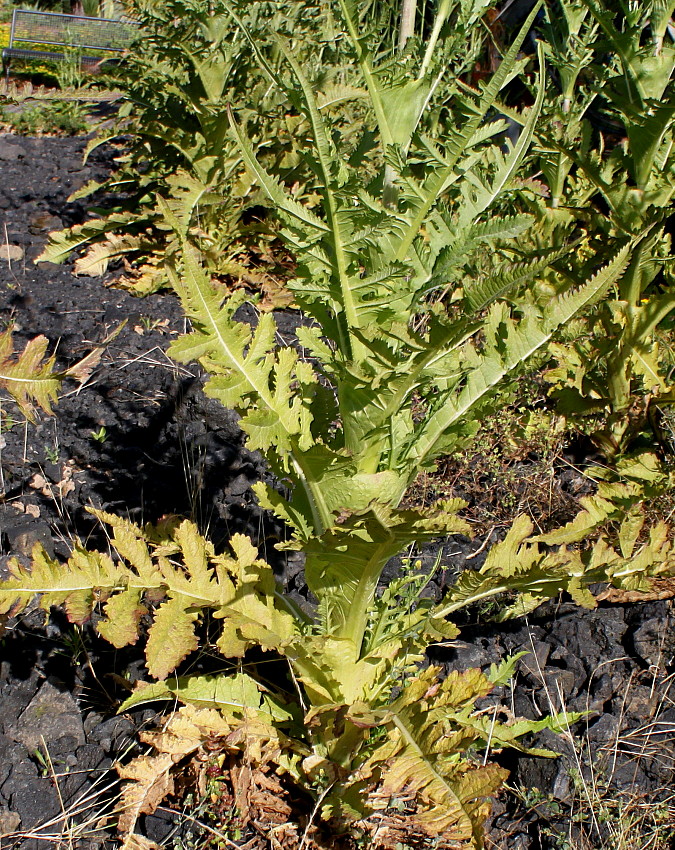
{"x":101,"y":435}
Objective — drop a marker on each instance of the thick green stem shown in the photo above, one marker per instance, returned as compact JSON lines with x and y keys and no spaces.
{"x":407,"y":29}
{"x":389,"y":190}
{"x":441,"y":17}
{"x":619,"y":365}
{"x":368,"y":75}
{"x":630,"y":286}
{"x":357,"y":619}
{"x":618,"y":381}
{"x":321,"y":516}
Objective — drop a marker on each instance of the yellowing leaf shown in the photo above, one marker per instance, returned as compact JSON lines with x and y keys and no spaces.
{"x":72,"y":583}
{"x":28,"y":377}
{"x":233,"y":696}
{"x":129,"y":542}
{"x":171,"y":637}
{"x":122,"y":615}
{"x":596,"y":510}
{"x":428,"y":726}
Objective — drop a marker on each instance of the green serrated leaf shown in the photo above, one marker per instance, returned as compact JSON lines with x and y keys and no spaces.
{"x":29,"y":377}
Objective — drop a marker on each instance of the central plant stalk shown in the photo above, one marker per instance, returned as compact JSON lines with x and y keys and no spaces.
{"x":408,"y":14}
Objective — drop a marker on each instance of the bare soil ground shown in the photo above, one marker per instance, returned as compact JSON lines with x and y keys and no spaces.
{"x":140,"y":439}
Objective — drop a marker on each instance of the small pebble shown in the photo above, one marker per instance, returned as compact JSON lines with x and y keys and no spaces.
{"x":11,"y":253}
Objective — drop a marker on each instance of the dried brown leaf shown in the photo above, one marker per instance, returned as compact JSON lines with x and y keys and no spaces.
{"x":139,"y":842}
{"x":149,"y":781}
{"x":662,"y":588}
{"x":83,"y":369}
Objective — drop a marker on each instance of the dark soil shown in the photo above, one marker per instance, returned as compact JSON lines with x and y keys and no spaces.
{"x":140,"y":439}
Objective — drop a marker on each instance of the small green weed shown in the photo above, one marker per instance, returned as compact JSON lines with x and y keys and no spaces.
{"x":69,"y":73}
{"x":43,"y":763}
{"x":101,"y":435}
{"x":7,"y":422}
{"x":62,"y":118}
{"x":614,"y":821}
{"x":52,"y":454}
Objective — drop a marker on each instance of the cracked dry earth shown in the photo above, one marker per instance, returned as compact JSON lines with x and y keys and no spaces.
{"x":139,"y":438}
